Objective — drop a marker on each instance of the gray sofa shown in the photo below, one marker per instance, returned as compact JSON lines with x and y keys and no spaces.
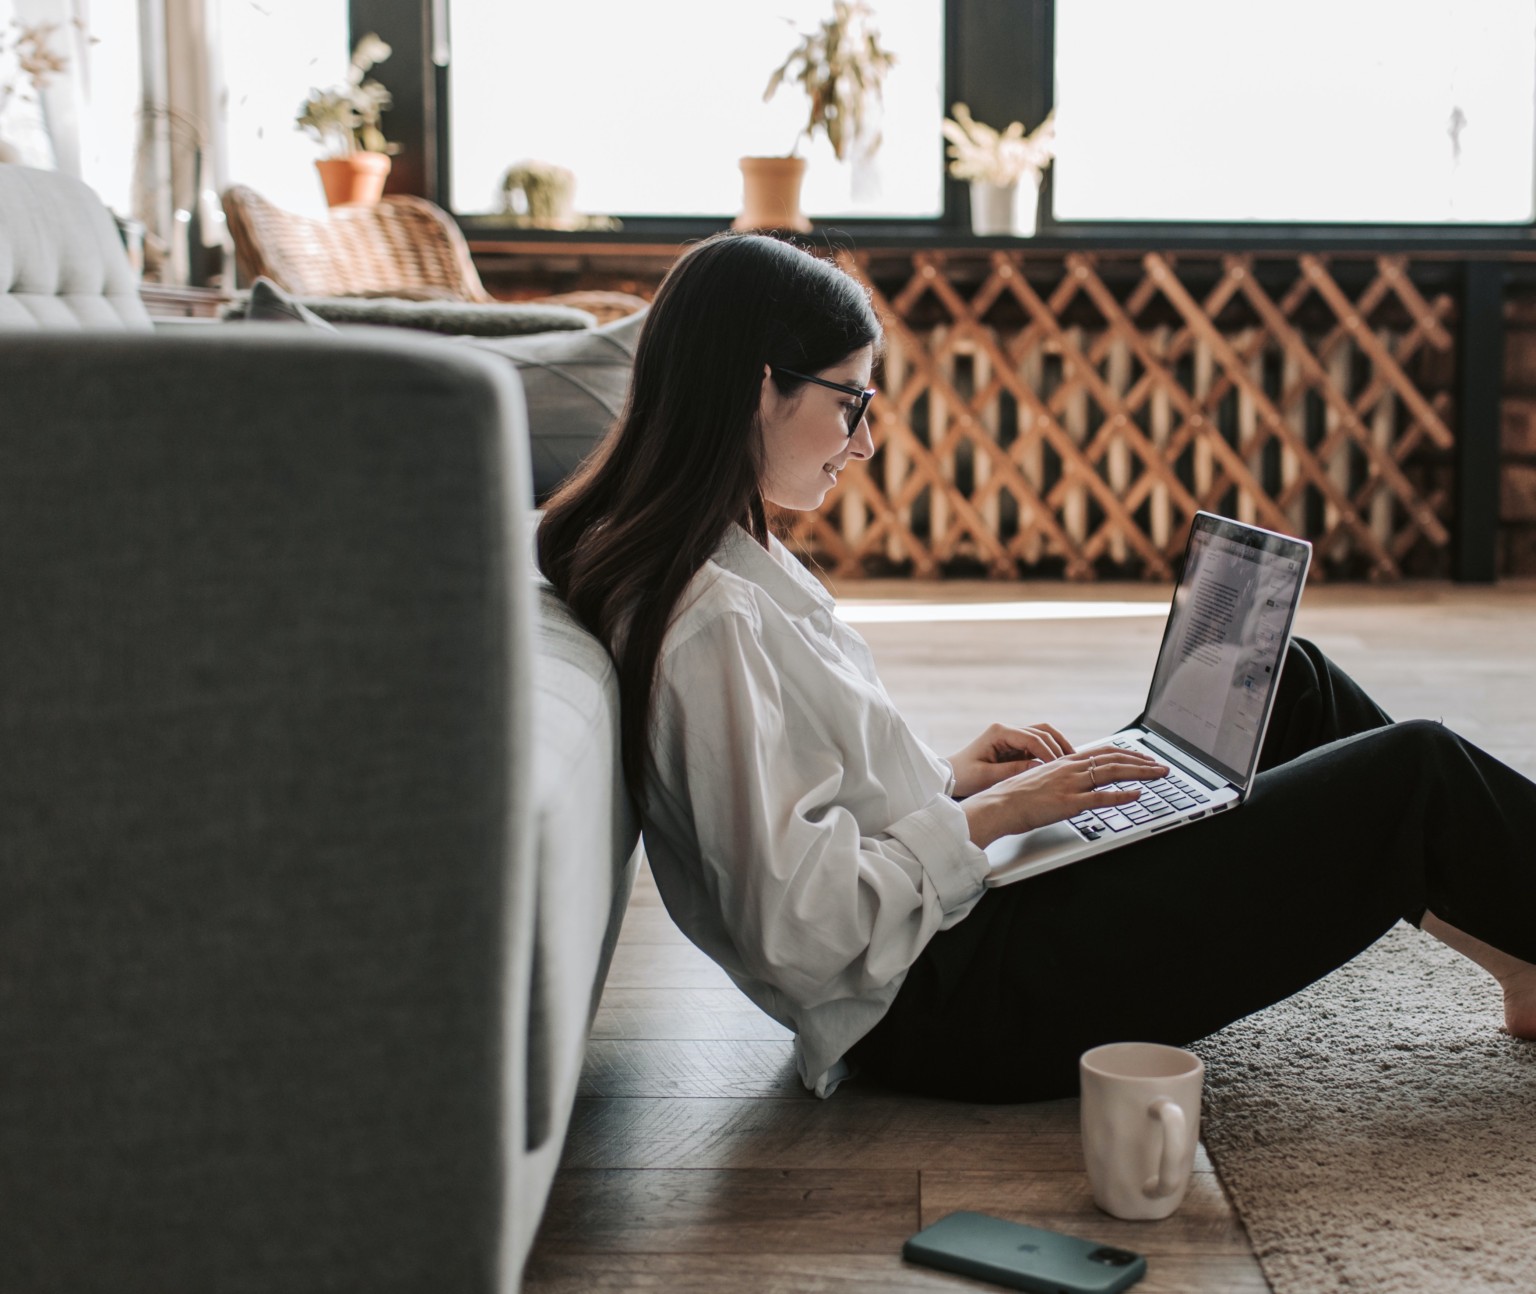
{"x":312,"y":845}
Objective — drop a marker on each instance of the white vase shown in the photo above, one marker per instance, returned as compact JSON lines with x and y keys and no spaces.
{"x":1010,"y":210}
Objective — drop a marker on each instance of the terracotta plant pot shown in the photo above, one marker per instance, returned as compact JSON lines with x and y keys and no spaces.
{"x":770,"y":194}
{"x":355,"y":179}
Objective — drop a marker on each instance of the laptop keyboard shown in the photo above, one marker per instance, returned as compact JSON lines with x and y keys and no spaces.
{"x":1159,"y":799}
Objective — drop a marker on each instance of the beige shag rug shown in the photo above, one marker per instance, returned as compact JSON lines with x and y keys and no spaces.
{"x":1376,"y":1133}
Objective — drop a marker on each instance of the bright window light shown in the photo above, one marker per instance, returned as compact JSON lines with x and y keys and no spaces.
{"x":275,"y":52}
{"x":109,"y":135}
{"x":1360,"y":111}
{"x":651,"y":105}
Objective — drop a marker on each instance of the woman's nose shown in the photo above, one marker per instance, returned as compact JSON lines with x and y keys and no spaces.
{"x":862,"y":440}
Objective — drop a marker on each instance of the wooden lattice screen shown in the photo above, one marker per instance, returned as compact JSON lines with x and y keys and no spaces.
{"x":1068,"y":414}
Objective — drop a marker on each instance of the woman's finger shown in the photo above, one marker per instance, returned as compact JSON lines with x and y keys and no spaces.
{"x":1031,"y":741}
{"x":1065,"y":745}
{"x":1133,"y":766}
{"x":1121,"y":752}
{"x":1048,"y":739}
{"x":1102,"y":768}
{"x":1109,"y":799}
{"x":1018,"y":766}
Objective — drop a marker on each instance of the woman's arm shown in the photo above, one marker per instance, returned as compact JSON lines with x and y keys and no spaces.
{"x":826,"y":839}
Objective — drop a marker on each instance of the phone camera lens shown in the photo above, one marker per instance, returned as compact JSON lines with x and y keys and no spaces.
{"x":1112,"y":1257}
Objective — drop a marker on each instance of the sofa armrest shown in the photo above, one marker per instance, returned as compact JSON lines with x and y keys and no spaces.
{"x":265,"y":898}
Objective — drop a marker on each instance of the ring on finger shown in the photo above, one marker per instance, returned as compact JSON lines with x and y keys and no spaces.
{"x":1093,"y":772}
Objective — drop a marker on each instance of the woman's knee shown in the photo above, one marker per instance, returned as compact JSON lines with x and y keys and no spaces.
{"x":1420,"y":743}
{"x":1310,"y":664}
{"x":1294,"y":726}
{"x":1428,"y":733}
{"x":1304,"y":661}
{"x":1393,"y":760}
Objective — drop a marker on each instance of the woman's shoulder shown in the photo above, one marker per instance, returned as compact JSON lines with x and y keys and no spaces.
{"x":716,"y":599}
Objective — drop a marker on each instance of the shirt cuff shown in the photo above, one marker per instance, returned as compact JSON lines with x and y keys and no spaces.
{"x":949,"y":785}
{"x":939,"y":836}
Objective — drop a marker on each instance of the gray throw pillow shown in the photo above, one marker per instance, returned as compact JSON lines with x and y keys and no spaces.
{"x":268,"y":303}
{"x":575,"y":385}
{"x":459,"y":318}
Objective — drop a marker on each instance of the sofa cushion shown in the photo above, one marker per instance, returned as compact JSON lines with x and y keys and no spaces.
{"x":574,"y":382}
{"x":62,"y":260}
{"x":458,"y":318}
{"x":586,"y":834}
{"x":575,"y":385}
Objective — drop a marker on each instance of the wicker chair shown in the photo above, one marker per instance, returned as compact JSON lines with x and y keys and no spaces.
{"x":403,"y":247}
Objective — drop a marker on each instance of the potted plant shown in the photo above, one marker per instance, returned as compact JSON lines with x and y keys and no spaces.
{"x":345,"y":119}
{"x":997,"y":164}
{"x":35,"y":60}
{"x":841,"y":66}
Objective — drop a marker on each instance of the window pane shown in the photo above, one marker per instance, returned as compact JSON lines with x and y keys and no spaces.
{"x":275,"y":52}
{"x":651,"y":105}
{"x":1391,"y":111}
{"x":109,"y":133}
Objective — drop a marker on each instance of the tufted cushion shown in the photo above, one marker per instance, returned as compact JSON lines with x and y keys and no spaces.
{"x":62,"y":263}
{"x":575,"y":384}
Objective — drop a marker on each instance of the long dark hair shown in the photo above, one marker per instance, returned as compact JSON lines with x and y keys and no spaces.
{"x":622,"y":537}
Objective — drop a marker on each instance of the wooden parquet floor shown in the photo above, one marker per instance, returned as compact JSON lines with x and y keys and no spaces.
{"x":696,"y":1162}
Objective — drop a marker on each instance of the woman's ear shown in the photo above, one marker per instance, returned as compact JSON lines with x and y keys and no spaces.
{"x":768,"y":396}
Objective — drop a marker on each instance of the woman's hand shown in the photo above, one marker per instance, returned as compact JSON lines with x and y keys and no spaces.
{"x":1057,"y":789}
{"x":1002,"y":752}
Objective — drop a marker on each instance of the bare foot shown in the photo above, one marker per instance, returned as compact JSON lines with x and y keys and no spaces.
{"x":1520,"y":1003}
{"x":1516,"y":978}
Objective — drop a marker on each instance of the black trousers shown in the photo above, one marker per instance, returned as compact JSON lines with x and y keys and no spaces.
{"x":1353,"y":823}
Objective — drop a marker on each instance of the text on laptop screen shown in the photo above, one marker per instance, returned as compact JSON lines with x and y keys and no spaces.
{"x":1231,"y":613}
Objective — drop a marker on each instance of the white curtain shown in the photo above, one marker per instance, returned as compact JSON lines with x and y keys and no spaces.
{"x":178,"y":149}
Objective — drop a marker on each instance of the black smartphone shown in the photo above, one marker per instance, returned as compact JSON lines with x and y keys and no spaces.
{"x":1024,"y":1258}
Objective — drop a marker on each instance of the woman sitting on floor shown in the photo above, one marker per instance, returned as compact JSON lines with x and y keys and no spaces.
{"x":833,"y":865}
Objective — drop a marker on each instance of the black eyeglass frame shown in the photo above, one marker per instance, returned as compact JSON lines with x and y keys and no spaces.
{"x":864,"y":394}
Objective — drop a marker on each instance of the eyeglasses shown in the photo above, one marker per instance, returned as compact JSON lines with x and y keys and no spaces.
{"x":854,"y":412}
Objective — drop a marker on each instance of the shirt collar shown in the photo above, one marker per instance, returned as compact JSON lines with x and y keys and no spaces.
{"x":774,"y":570}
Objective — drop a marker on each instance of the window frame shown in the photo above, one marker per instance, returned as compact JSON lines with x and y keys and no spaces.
{"x":980,"y":70}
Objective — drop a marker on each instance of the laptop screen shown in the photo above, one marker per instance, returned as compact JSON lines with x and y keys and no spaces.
{"x":1225,"y":641}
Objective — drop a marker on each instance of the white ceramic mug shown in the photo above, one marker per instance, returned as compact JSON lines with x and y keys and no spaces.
{"x":1141,"y":1124}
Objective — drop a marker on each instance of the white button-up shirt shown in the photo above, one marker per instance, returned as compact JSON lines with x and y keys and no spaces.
{"x":799,"y":832}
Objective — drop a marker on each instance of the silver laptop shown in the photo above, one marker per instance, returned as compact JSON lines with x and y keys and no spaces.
{"x":1213,"y":689}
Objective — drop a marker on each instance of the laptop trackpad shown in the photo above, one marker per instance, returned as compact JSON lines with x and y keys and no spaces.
{"x":1058,"y":837}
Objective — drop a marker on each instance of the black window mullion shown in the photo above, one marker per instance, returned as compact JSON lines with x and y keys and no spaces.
{"x":414,"y":121}
{"x":998,"y":62}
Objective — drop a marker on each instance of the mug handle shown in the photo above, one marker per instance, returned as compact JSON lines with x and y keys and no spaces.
{"x":1175,"y":1142}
